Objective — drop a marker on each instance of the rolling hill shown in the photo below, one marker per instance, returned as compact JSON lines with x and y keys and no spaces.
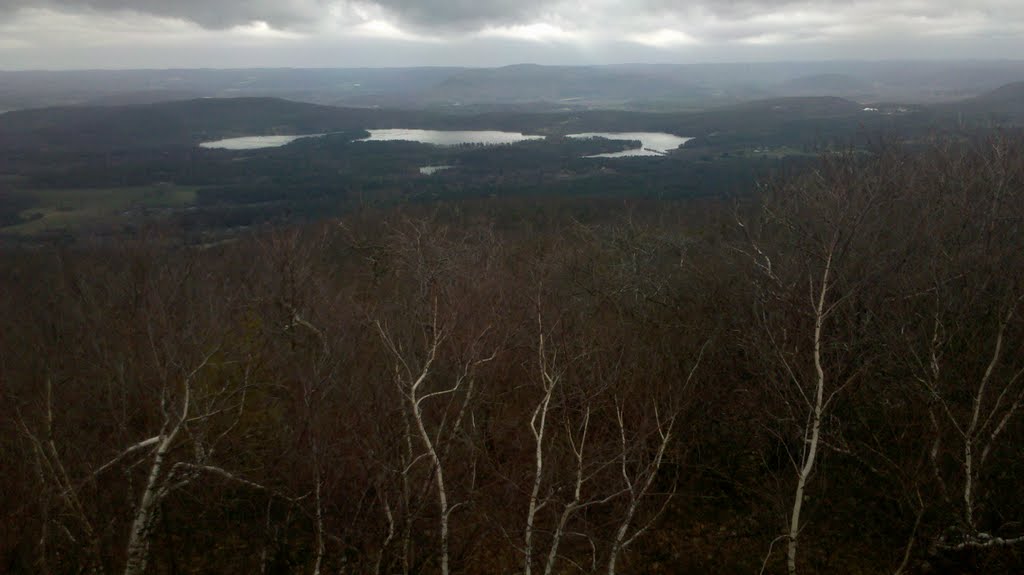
{"x":1004,"y":106}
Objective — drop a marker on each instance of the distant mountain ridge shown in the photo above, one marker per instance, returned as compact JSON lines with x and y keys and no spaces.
{"x":572,"y":85}
{"x":1002,"y":105}
{"x":843,"y":85}
{"x":640,"y":87}
{"x":1009,"y":93}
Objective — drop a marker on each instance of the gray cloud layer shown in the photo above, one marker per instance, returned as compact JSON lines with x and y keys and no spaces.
{"x":467,"y":14}
{"x":424,"y":14}
{"x":502,"y":31}
{"x":462,"y":13}
{"x":219,"y":14}
{"x":207,"y":13}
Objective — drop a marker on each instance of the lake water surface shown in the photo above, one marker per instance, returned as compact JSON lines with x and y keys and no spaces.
{"x":651,"y":143}
{"x":431,"y":170}
{"x":254,"y":142}
{"x":448,"y":137}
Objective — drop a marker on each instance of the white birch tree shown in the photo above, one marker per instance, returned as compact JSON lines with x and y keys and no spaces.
{"x":816,"y":246}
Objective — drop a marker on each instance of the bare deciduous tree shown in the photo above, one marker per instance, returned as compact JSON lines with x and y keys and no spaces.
{"x":817,"y":244}
{"x":963,"y":332}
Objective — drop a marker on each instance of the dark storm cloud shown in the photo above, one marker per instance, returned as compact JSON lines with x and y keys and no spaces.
{"x":423,"y":14}
{"x":443,"y":14}
{"x":206,"y":13}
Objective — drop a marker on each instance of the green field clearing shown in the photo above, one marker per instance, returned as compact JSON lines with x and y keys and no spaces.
{"x":73,"y":208}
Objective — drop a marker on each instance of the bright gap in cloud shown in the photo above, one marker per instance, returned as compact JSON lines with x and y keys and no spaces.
{"x":261,"y":29}
{"x":538,"y":32}
{"x":383,"y":29}
{"x":664,"y":38}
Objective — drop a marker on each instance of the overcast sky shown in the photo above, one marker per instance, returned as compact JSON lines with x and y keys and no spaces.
{"x":57,"y":34}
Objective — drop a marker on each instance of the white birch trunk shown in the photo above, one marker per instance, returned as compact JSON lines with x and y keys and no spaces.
{"x":442,"y":494}
{"x":140,"y":536}
{"x":145,"y":515}
{"x":810,"y":448}
{"x":573,"y":505}
{"x":537,"y":428}
{"x":637,"y":488}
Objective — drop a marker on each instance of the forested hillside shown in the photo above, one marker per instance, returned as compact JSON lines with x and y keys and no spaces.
{"x":822,"y":377}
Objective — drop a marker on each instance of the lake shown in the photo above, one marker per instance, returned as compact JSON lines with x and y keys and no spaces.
{"x":431,"y":170}
{"x":448,"y":137}
{"x":255,"y":142}
{"x":651,"y":143}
